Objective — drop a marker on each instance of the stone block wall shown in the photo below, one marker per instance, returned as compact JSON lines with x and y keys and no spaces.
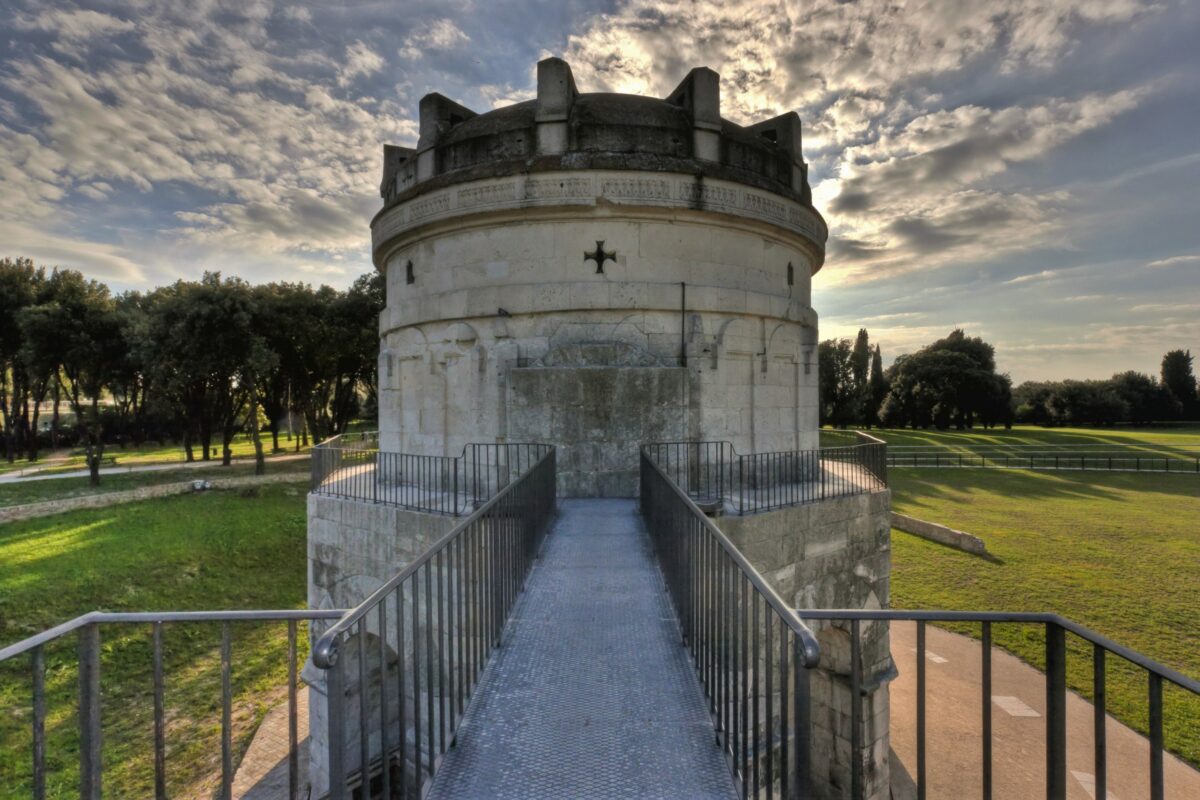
{"x":834,"y":554}
{"x":353,"y":549}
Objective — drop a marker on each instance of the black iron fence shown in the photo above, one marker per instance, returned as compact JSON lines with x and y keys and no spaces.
{"x":353,"y":467}
{"x":1056,"y":630}
{"x":89,"y":631}
{"x":1178,"y":458}
{"x":751,"y":651}
{"x":716,"y":476}
{"x":412,"y":653}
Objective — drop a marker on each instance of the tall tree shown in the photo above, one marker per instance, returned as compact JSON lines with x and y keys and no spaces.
{"x":877,"y":388}
{"x":79,"y":329}
{"x":20,"y":281}
{"x":1180,"y":380}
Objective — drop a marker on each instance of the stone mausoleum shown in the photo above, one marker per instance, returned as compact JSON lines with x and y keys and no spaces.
{"x":596,"y":271}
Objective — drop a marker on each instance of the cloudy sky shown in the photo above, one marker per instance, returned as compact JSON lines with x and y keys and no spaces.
{"x":1026,"y":170}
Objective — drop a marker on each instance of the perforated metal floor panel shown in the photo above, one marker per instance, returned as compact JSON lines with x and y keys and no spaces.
{"x":591,"y":695}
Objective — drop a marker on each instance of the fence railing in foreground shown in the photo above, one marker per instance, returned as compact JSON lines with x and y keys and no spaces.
{"x":1179,"y":458}
{"x":751,"y":651}
{"x":89,"y":632}
{"x":714,"y":474}
{"x":1056,"y":630}
{"x":353,"y":467}
{"x":417,"y":646}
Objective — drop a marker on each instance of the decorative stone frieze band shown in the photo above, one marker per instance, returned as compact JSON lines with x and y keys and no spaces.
{"x":620,"y":188}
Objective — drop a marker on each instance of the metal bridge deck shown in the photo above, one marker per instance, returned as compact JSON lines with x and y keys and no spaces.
{"x":591,"y":694}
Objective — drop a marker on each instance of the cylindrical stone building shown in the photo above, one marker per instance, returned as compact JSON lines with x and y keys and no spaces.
{"x":596,"y":271}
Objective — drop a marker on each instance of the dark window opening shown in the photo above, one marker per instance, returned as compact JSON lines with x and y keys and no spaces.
{"x":791,"y":275}
{"x":409,"y":275}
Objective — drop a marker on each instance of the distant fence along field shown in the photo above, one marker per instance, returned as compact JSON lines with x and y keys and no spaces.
{"x":1108,"y":457}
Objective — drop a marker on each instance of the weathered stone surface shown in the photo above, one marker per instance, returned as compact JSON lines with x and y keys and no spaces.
{"x":939,"y":533}
{"x":105,"y":499}
{"x":833,"y":554}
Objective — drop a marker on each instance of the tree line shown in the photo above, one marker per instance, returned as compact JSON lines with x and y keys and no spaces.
{"x":953,"y":382}
{"x":195,"y":362}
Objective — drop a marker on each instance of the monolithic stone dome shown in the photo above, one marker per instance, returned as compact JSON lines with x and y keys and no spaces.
{"x":565,"y":130}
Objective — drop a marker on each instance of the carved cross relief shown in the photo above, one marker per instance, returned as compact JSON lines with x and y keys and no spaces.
{"x":600,"y":256}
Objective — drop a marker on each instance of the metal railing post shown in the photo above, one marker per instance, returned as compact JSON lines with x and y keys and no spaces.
{"x":89,"y":712}
{"x":1056,"y":712}
{"x":334,"y":697}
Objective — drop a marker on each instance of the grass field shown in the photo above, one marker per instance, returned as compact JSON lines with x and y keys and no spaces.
{"x":1024,"y":435}
{"x":18,"y":493}
{"x":1117,"y":552}
{"x":219,"y":550}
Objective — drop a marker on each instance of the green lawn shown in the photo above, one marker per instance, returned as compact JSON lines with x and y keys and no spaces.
{"x":1025,"y":435}
{"x":15,"y":494}
{"x":219,"y":550}
{"x":1117,"y":552}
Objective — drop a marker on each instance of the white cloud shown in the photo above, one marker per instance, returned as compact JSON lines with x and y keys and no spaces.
{"x":1174,"y":261}
{"x":441,"y":34}
{"x":360,"y":60}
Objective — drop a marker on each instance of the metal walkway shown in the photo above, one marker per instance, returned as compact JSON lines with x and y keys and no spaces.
{"x":591,"y":694}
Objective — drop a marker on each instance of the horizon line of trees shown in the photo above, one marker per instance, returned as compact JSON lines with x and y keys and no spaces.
{"x":195,"y":362}
{"x":953,"y":382}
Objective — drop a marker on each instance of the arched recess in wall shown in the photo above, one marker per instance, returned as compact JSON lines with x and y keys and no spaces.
{"x":463,"y":364}
{"x":409,"y":347}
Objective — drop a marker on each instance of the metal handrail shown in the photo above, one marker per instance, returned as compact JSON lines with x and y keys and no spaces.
{"x":88,"y":629}
{"x":1056,"y":691}
{"x":712,"y":471}
{"x":812,"y":649}
{"x":747,"y":664}
{"x":454,"y":600}
{"x":1031,"y":617}
{"x":449,"y":485}
{"x":324,"y":653}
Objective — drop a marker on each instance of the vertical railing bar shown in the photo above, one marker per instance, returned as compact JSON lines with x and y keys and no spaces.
{"x":385,"y":751}
{"x":429,"y":689}
{"x":89,"y":712}
{"x":401,"y":711}
{"x":293,"y":721}
{"x":226,"y":712}
{"x":1099,"y":711}
{"x":986,"y":703}
{"x":1157,"y":787}
{"x":856,"y":762}
{"x":784,"y":675}
{"x":1056,"y":712}
{"x":442,"y":632}
{"x":38,"y":676}
{"x":756,"y":721}
{"x":335,"y":697}
{"x":769,"y":658}
{"x":418,"y":765}
{"x":364,"y":712}
{"x":160,"y":729}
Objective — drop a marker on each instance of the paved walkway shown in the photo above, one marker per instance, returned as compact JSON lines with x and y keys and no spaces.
{"x":953,"y":677}
{"x":591,"y":694}
{"x":34,"y":473}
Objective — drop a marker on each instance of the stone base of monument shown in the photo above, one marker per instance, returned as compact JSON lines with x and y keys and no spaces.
{"x":834,"y":554}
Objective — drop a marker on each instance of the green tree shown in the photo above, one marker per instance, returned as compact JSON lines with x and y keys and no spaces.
{"x":877,"y":388}
{"x":953,"y":381}
{"x":78,"y":328}
{"x":835,"y":373}
{"x":1180,"y":380}
{"x":21,"y":283}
